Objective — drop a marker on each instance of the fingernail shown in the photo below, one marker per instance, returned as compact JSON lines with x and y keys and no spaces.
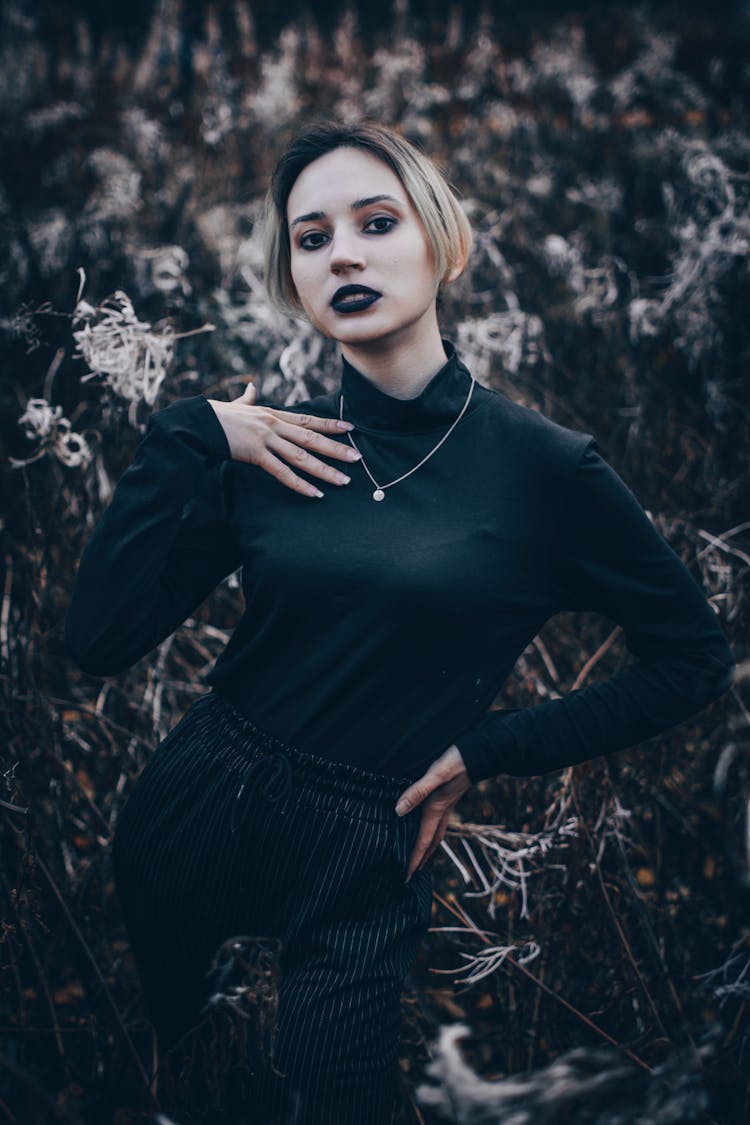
{"x":402,"y":807}
{"x":345,"y":425}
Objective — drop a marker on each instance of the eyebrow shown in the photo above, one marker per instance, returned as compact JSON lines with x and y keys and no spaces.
{"x":355,"y":206}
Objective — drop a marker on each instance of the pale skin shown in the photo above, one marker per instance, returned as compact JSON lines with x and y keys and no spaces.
{"x":395,"y":343}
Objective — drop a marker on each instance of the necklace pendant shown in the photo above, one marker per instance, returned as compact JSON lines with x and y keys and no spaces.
{"x":378,"y":494}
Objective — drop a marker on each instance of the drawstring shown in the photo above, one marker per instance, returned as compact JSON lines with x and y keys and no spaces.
{"x":280,"y":765}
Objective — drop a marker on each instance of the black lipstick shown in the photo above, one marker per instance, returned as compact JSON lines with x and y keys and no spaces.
{"x":354,"y":298}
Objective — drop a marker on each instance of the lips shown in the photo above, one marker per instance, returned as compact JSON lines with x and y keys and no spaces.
{"x":353,"y":298}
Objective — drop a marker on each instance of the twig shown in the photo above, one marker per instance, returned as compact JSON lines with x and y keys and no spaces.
{"x":37,"y":965}
{"x":72,"y":705}
{"x":647,"y":926}
{"x":616,"y":922}
{"x":20,"y":809}
{"x":457,"y":909}
{"x":92,"y":960}
{"x":593,"y":660}
{"x":52,"y":1104}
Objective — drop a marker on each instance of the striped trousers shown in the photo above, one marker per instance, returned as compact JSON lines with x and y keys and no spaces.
{"x":258,"y":880}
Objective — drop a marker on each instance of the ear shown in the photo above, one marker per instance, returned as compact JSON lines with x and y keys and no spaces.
{"x":456,"y":270}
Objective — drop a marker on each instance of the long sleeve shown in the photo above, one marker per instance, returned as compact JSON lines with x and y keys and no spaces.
{"x":606,"y":556}
{"x":162,"y":545}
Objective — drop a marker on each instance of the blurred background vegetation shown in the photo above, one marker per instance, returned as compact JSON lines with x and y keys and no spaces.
{"x":603,"y":156}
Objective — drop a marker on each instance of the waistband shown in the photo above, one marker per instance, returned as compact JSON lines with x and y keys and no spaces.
{"x":324,"y":782}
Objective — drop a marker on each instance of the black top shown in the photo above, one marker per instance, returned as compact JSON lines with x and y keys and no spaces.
{"x":379,"y":633}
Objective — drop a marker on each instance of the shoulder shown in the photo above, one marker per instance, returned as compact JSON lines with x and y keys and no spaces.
{"x":532,"y":437}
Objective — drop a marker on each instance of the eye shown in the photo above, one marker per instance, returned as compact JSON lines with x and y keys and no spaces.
{"x":310,"y":234}
{"x":313,"y":240}
{"x":383,"y":219}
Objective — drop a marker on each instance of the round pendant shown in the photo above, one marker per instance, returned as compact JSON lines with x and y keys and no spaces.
{"x":378,"y":494}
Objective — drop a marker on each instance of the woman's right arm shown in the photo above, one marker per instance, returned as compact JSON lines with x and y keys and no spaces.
{"x":165,"y":540}
{"x":160,"y":547}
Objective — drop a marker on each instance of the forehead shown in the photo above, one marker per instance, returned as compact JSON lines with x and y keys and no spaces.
{"x":333,"y":181}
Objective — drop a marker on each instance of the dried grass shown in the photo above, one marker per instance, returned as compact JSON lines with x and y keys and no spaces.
{"x":604,"y":161}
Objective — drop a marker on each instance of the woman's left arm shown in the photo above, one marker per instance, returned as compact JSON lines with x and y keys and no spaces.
{"x":605,"y":555}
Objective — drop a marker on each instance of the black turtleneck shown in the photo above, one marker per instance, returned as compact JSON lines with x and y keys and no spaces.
{"x":380,"y":633}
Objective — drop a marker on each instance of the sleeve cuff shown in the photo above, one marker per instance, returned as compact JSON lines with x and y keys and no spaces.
{"x":489,"y":748}
{"x":194,"y":420}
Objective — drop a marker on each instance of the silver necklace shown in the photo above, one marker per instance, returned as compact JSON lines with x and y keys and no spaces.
{"x":379,"y":493}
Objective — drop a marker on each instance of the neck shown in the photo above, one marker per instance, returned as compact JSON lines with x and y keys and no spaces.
{"x":399,"y":367}
{"x":374,"y":411}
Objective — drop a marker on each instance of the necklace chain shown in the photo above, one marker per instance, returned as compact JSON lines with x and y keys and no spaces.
{"x":379,"y":492}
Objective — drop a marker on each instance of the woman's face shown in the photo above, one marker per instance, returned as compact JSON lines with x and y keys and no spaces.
{"x":338,"y":238}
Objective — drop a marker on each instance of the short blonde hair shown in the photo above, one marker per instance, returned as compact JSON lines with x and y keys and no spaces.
{"x":432,"y":197}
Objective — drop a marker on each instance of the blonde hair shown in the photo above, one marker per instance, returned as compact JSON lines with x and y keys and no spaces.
{"x":432,"y":197}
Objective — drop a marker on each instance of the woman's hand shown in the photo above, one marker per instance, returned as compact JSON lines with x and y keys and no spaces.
{"x":440,"y":789}
{"x":258,"y":433}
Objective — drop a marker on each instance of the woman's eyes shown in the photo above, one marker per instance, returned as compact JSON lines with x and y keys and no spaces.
{"x":388,"y":219}
{"x":383,"y":219}
{"x":305,"y":241}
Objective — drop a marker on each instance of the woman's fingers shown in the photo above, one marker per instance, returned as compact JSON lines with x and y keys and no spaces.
{"x":300,"y":458}
{"x":433,"y":827}
{"x":308,"y":421}
{"x":294,"y":440}
{"x":285,"y":474}
{"x":429,"y":825}
{"x":280,"y":441}
{"x":438,"y":838}
{"x":310,"y":439}
{"x":248,"y":395}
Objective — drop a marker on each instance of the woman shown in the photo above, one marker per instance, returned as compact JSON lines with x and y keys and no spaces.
{"x":378,"y":628}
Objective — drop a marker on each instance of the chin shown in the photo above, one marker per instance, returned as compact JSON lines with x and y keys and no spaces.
{"x":362,"y":331}
{"x":350,"y":332}
{"x":368,"y":327}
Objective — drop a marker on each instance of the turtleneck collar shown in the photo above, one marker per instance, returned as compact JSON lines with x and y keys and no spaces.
{"x":374,"y":411}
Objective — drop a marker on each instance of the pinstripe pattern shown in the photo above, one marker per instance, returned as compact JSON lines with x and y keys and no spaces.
{"x":318,"y":860}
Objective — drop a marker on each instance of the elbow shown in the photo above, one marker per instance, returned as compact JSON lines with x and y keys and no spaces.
{"x":716,"y":673}
{"x":723,"y":676}
{"x":107,"y":645}
{"x":85,"y":659}
{"x":87,"y":655}
{"x":93,"y":663}
{"x":698,"y":678}
{"x":91,"y":666}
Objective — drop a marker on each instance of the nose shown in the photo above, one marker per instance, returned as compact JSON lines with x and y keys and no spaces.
{"x":345,"y":252}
